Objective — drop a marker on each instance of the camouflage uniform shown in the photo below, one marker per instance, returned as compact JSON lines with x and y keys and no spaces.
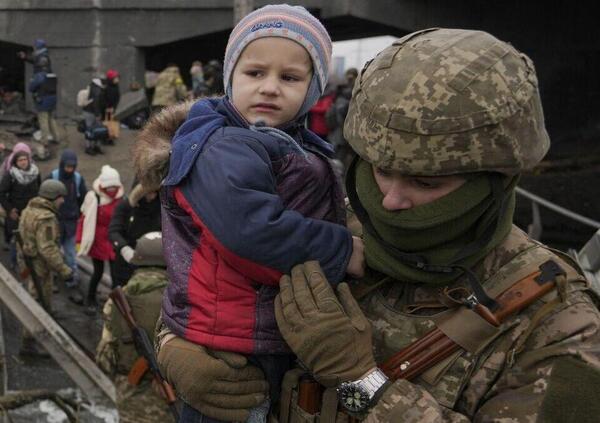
{"x":40,"y":233}
{"x":441,"y":102}
{"x":169,"y":89}
{"x":501,"y":381}
{"x":116,"y":353}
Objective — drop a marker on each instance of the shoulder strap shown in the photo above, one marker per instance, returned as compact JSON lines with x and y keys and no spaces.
{"x":77,"y":183}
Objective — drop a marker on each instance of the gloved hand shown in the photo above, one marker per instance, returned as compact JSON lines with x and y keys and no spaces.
{"x":127,"y":253}
{"x":331,"y":338}
{"x":221,"y":385}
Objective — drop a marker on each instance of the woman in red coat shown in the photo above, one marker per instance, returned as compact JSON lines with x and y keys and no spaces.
{"x":92,"y":228}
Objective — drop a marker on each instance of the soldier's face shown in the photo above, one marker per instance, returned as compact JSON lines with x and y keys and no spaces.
{"x":59,"y":201}
{"x":270,"y":80}
{"x":402,"y":192}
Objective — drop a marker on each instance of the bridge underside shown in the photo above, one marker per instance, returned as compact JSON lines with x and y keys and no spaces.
{"x":87,"y":37}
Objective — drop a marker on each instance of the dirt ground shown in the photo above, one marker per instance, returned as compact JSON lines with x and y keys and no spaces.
{"x":118,"y":155}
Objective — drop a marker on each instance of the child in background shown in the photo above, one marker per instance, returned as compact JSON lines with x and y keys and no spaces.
{"x":250,"y":192}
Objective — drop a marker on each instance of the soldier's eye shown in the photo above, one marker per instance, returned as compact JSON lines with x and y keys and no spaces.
{"x":383,"y":172}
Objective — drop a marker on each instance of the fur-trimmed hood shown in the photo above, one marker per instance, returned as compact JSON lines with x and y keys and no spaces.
{"x":152,"y":148}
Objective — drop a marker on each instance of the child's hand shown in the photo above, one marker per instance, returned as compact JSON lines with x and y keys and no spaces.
{"x":356,"y":265}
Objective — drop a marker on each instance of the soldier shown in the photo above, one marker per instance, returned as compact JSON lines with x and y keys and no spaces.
{"x":443,"y":122}
{"x":116,"y":354}
{"x":39,"y":246}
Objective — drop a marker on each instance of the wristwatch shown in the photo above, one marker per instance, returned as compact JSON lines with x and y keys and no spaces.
{"x":357,"y":396}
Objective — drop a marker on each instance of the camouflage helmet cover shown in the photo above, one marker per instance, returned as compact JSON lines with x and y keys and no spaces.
{"x":148,"y":250}
{"x":448,"y":101}
{"x":51,"y":189}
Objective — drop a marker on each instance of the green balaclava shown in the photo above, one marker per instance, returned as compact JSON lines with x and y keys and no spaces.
{"x":457,"y":229}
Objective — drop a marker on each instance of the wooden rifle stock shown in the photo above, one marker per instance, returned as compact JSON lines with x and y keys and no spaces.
{"x":435,"y":346}
{"x":144,"y":348}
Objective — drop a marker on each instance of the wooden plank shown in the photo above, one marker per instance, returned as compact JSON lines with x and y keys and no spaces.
{"x":94,"y":384}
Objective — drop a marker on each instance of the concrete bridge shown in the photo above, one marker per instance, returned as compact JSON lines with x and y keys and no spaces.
{"x":87,"y":37}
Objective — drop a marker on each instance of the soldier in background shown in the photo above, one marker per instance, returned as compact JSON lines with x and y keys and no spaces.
{"x":116,"y":353}
{"x":40,"y":248}
{"x":169,"y":88}
{"x":443,"y":122}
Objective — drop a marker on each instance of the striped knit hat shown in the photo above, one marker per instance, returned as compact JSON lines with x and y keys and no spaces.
{"x":285,"y":21}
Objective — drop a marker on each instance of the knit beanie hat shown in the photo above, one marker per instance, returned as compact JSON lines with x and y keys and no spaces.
{"x":285,"y":21}
{"x":109,"y":177}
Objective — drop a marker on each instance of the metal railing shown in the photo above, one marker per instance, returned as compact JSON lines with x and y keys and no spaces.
{"x":535,"y":228}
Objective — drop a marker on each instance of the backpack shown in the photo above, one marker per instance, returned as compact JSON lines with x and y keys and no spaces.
{"x":54,"y":175}
{"x":83,"y":97}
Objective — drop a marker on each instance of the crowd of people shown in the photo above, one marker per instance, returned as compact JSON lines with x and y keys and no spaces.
{"x":264,"y":264}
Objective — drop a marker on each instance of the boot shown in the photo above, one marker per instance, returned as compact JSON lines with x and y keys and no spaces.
{"x":91,"y":307}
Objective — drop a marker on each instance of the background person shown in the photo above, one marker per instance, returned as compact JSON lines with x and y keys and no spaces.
{"x":69,"y":211}
{"x":92,"y":227}
{"x":20,"y":183}
{"x":40,"y":236}
{"x":135,"y":215}
{"x":115,"y":353}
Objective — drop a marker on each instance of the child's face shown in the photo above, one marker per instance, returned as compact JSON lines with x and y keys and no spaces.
{"x":270,"y":80}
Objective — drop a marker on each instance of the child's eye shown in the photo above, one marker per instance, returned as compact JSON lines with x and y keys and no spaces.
{"x":290,"y":78}
{"x":253,"y":73}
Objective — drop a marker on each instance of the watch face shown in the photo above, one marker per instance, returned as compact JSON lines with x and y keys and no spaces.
{"x":353,"y":397}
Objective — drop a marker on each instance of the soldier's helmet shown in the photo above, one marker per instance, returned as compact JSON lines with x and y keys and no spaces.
{"x":448,"y":101}
{"x":51,"y":189}
{"x":148,"y":250}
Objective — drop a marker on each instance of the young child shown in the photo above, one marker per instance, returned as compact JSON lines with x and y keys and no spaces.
{"x":250,"y":192}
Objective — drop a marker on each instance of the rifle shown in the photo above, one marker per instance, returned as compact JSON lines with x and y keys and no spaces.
{"x":36,"y":282}
{"x":144,"y":348}
{"x":435,"y":346}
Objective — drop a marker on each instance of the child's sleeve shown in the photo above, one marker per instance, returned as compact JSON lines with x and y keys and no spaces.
{"x":231,"y":195}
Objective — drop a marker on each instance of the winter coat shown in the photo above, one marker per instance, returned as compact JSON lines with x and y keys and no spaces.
{"x":132,"y":218}
{"x":112,"y":95}
{"x":14,"y":195}
{"x":96,"y":95}
{"x":169,"y":88}
{"x":239,"y":209}
{"x":40,"y":234}
{"x":43,"y":89}
{"x":69,"y":211}
{"x":101,"y":248}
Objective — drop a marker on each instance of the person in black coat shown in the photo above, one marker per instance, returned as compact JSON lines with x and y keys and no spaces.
{"x":134,"y":216}
{"x":20,"y":183}
{"x":112,"y":94}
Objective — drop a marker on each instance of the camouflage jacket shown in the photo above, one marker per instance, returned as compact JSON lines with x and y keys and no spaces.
{"x":503,"y":378}
{"x":169,"y":89}
{"x":38,"y":226}
{"x":115,"y":352}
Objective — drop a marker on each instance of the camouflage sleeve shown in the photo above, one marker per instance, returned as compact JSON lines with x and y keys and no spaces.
{"x":409,"y":403}
{"x":46,"y":239}
{"x":503,"y":390}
